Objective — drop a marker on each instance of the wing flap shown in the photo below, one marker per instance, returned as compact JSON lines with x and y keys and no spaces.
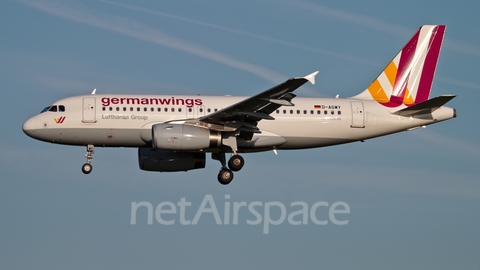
{"x":281,"y":102}
{"x":257,"y":115}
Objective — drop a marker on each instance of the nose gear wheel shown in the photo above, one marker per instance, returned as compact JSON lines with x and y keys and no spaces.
{"x":87,"y":167}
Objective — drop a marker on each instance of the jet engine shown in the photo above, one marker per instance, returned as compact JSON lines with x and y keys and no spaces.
{"x":179,"y":137}
{"x":168,"y":161}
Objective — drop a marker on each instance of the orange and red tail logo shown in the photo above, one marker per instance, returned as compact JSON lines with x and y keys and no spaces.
{"x":408,"y":78}
{"x":59,"y":120}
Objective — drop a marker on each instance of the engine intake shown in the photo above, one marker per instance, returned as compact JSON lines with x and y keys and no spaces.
{"x":184,"y":137}
{"x":167,"y":161}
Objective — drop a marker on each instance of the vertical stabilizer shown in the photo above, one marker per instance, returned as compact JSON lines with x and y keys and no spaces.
{"x":408,"y":78}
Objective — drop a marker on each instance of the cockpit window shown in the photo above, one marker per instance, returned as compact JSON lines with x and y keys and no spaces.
{"x":46,"y":109}
{"x":54,"y":108}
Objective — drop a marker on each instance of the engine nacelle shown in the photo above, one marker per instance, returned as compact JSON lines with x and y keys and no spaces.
{"x":184,"y":137}
{"x":167,"y":161}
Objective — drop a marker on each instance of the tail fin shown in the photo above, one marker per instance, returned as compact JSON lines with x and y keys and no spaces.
{"x":408,"y":78}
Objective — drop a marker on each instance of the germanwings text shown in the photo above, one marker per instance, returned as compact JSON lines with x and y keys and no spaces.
{"x":189,"y":102}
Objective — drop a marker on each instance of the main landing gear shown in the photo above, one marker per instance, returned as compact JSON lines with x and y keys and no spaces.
{"x":87,"y":167}
{"x":235,"y":163}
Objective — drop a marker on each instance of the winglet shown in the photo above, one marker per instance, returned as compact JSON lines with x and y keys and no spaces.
{"x":94,"y":90}
{"x":311,"y":77}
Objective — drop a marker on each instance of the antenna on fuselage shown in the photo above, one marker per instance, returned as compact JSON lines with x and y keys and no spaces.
{"x":94,"y":90}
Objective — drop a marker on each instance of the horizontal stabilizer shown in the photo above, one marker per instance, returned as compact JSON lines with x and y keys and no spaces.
{"x":425,"y":107}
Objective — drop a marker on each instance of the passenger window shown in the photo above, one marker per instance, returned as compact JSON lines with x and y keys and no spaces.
{"x":332,"y":112}
{"x":152,"y":109}
{"x":138,"y":109}
{"x":124,"y":109}
{"x":284,"y":111}
{"x":179,"y":109}
{"x":277,"y":111}
{"x":339,"y":112}
{"x":189,"y":109}
{"x":291,"y":111}
{"x":145,"y":109}
{"x":209,"y":110}
{"x":110,"y":108}
{"x":118,"y":109}
{"x":131,"y":109}
{"x":159,"y":109}
{"x":103,"y":108}
{"x":304,"y":111}
{"x":166,"y":109}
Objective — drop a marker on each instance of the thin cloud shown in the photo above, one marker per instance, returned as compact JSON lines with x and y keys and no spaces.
{"x":338,"y":14}
{"x":136,"y":30}
{"x":64,"y":85}
{"x":457,"y":146}
{"x":353,"y":18}
{"x":379,"y":25}
{"x":393,"y":179}
{"x":461,"y":83}
{"x":413,"y":180}
{"x":247,"y":34}
{"x":462,"y":47}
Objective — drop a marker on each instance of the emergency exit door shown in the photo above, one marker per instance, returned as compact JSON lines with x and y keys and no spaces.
{"x":358,"y":114}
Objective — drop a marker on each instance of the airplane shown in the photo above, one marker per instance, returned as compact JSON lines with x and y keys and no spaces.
{"x":174,"y":133}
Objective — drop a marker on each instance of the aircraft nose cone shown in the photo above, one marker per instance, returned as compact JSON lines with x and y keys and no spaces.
{"x":29,"y":127}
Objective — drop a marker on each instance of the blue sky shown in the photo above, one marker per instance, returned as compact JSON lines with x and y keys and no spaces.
{"x":414,"y":197}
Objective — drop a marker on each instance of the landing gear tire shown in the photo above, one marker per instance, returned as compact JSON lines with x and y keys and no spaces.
{"x":225,"y":176}
{"x":87,"y":168}
{"x":236,"y":162}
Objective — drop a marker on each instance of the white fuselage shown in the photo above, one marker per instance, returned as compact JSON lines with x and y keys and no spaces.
{"x":127,"y":120}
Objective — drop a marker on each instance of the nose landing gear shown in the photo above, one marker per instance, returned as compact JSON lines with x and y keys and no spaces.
{"x":87,"y":167}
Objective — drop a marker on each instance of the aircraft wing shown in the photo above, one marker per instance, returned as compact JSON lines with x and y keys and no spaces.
{"x":245,"y":114}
